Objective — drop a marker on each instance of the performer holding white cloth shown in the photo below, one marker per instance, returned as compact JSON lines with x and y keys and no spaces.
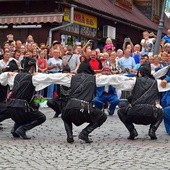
{"x":40,"y":81}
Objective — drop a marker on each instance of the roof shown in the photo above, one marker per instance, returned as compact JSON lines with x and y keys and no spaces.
{"x":133,"y":18}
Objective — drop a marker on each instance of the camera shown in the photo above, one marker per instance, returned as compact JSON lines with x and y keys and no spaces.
{"x":91,"y":44}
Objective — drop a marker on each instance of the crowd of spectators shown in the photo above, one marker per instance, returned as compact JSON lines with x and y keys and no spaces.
{"x":53,"y":59}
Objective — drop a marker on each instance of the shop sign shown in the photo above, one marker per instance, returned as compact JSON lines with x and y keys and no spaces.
{"x":81,"y":18}
{"x":90,"y":32}
{"x":125,"y":4}
{"x":74,"y":28}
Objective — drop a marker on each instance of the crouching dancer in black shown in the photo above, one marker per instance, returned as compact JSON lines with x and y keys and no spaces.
{"x":145,"y":109}
{"x":79,"y":108}
{"x":4,"y":89}
{"x":59,"y":102}
{"x":23,"y":110}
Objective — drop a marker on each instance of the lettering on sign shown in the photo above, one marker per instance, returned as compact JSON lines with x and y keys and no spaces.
{"x":81,"y":18}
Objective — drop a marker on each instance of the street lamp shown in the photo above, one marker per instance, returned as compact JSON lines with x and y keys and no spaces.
{"x":160,"y":29}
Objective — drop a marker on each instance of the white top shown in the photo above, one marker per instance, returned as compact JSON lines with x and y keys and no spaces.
{"x":3,"y":65}
{"x":41,"y":80}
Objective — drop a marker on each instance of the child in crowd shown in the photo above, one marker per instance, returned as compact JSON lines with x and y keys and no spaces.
{"x":108,"y":45}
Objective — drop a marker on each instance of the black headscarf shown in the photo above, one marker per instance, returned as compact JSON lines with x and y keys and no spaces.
{"x":28,"y":62}
{"x":145,"y":71}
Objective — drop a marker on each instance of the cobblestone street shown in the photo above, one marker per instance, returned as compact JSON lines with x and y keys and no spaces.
{"x":110,"y":150}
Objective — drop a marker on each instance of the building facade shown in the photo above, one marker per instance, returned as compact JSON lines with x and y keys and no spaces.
{"x":93,"y":19}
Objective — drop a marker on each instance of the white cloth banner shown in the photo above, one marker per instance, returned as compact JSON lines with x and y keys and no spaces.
{"x":40,"y":81}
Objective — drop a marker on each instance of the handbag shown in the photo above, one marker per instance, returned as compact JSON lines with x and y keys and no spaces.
{"x":18,"y":104}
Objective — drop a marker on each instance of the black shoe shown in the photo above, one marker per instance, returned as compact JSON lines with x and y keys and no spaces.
{"x":56,"y":115}
{"x":22,"y":133}
{"x":152,"y":134}
{"x":70,"y":140}
{"x":133,"y":134}
{"x":15,"y":135}
{"x":84,"y":137}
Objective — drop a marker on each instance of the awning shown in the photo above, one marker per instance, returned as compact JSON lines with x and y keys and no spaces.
{"x":26,"y":19}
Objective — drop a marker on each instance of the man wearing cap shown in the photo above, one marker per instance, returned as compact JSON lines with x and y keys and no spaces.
{"x":145,"y":104}
{"x":106,"y":94}
{"x":72,"y":60}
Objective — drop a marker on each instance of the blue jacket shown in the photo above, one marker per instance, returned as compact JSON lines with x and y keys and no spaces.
{"x":166,"y":99}
{"x":100,"y":91}
{"x":168,"y":76}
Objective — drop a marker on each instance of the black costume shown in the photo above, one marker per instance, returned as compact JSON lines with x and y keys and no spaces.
{"x":58,"y":103}
{"x":23,"y":91}
{"x":4,"y":113}
{"x":79,"y":108}
{"x":85,"y":67}
{"x":143,"y":111}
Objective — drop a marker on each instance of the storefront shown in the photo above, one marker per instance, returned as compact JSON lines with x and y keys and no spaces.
{"x":83,"y":29}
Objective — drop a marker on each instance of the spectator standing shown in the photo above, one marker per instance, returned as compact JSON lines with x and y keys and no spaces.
{"x":4,"y":62}
{"x":136,"y":53}
{"x":73,"y":60}
{"x":147,"y":43}
{"x":166,"y":48}
{"x":94,"y":62}
{"x":155,"y":66}
{"x":29,"y":39}
{"x":54,"y":66}
{"x":108,"y":45}
{"x":127,"y":63}
{"x":18,"y":44}
{"x":42,"y":62}
{"x":166,"y":38}
{"x":10,"y":39}
{"x":114,"y":64}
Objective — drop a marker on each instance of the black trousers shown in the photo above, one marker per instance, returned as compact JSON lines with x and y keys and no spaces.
{"x":4,"y":112}
{"x":128,"y":120}
{"x":22,"y":118}
{"x":57,"y":104}
{"x":78,"y":117}
{"x":28,"y":120}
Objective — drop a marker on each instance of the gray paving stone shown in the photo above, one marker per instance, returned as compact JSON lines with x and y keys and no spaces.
{"x":110,"y":150}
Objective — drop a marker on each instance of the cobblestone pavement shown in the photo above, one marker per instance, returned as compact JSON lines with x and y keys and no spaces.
{"x":48,"y":149}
